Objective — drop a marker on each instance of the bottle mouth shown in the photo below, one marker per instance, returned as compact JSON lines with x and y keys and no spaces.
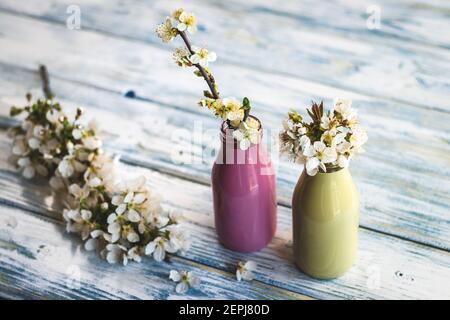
{"x":227,"y":137}
{"x":224,"y":127}
{"x":331,"y":169}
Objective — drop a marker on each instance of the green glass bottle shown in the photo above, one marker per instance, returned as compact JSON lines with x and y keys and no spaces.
{"x":325,"y":210}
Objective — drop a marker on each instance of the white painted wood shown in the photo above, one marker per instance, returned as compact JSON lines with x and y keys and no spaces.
{"x":400,"y":20}
{"x":327,"y":43}
{"x":38,"y":260}
{"x":402,"y":178}
{"x":405,"y":270}
{"x":397,"y":76}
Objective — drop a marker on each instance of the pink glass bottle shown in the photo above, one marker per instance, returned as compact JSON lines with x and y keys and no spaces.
{"x":244,"y":195}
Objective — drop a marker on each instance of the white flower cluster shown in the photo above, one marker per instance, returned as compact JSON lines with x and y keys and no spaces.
{"x":182,"y":21}
{"x":248,"y":133}
{"x":329,"y":141}
{"x":179,"y":21}
{"x":122,"y":220}
{"x":246,"y":130}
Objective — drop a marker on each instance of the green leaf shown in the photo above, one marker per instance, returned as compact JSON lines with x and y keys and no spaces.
{"x":246,"y":104}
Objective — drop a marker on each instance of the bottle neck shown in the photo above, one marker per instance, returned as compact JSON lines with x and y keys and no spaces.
{"x":226,"y":135}
{"x":231,"y":153}
{"x":332,"y":168}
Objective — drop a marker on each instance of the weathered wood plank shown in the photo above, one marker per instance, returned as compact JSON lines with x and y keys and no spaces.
{"x":401,"y":21}
{"x":403,"y":177}
{"x":39,"y":261}
{"x":418,"y":210}
{"x":326,"y":42}
{"x":387,"y":267}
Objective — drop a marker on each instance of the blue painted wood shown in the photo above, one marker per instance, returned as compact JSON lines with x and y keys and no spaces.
{"x":374,"y":276}
{"x":406,"y":60}
{"x":397,"y":77}
{"x":398,"y":196}
{"x":38,"y":260}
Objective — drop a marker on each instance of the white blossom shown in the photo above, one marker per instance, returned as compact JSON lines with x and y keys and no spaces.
{"x":181,"y":56}
{"x":202,"y":56}
{"x":28,"y":169}
{"x":77,"y":134}
{"x":78,"y":222}
{"x":135,"y":254}
{"x":20,"y":147}
{"x":185,"y":280}
{"x":158,"y":248}
{"x":116,"y":253}
{"x":69,"y":165}
{"x":342,"y":161}
{"x":248,"y":133}
{"x":175,"y":216}
{"x":318,"y":155}
{"x":244,"y":270}
{"x":358,"y":136}
{"x":178,"y":239}
{"x":187,"y":22}
{"x":329,"y":141}
{"x":103,"y":168}
{"x":78,"y":192}
{"x":131,"y":235}
{"x":53,"y":116}
{"x":114,"y":226}
{"x":166,"y":31}
{"x":92,"y":142}
{"x":90,"y":244}
{"x":234,"y":112}
{"x":104,"y":205}
{"x":329,"y":123}
{"x":344,"y":108}
{"x":66,"y":168}
{"x":34,"y":143}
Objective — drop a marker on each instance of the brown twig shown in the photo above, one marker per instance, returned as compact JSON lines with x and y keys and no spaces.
{"x":246,"y":114}
{"x":45,"y":82}
{"x":209,"y":80}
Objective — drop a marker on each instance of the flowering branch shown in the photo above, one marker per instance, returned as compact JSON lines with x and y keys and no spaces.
{"x":328,"y":142}
{"x":208,"y":77}
{"x":122,"y":220}
{"x":245,"y":129}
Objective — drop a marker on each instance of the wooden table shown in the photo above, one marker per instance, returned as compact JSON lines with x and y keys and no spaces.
{"x":280,"y":54}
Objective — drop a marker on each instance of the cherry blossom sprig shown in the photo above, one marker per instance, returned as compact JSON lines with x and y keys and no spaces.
{"x":328,"y":141}
{"x":122,"y":220}
{"x":234,"y":112}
